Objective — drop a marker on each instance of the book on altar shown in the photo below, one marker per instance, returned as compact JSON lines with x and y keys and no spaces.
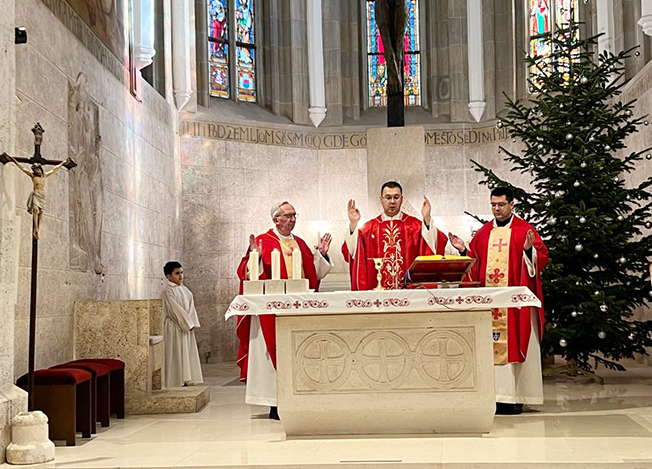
{"x":439,"y":270}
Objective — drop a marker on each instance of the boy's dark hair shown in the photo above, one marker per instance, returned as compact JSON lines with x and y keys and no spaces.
{"x":500,"y":191}
{"x":170,"y":266}
{"x":391,"y":185}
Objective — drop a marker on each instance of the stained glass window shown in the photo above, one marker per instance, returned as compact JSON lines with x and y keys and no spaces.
{"x":541,"y":21}
{"x":227,"y":50}
{"x":376,"y":69}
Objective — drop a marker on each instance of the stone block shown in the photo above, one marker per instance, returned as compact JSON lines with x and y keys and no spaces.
{"x":274,"y":287}
{"x":253,"y":287}
{"x":296,"y":285}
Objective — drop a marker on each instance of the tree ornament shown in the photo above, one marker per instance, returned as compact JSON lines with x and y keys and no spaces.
{"x":499,"y":124}
{"x":646,"y":123}
{"x":584,"y":80}
{"x":513,"y":140}
{"x":648,"y":225}
{"x":563,"y":342}
{"x":569,"y":136}
{"x":561,"y":105}
{"x":547,"y":204}
{"x":620,"y":218}
{"x":576,"y":184}
{"x":540,"y":146}
{"x":637,"y":53}
{"x":650,"y":293}
{"x":591,"y":139}
{"x":630,"y":336}
{"x":607,"y":147}
{"x":602,"y":334}
{"x":552,"y":222}
{"x":622,"y":260}
{"x":578,"y":247}
{"x":596,"y":256}
{"x":603,"y":308}
{"x":574,"y":314}
{"x":596,"y":293}
{"x":583,"y":164}
{"x":582,"y":220}
{"x":648,"y":156}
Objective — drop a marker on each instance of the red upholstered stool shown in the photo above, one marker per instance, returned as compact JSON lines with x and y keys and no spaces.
{"x":117,"y":379}
{"x":100,"y":391}
{"x":64,"y":395}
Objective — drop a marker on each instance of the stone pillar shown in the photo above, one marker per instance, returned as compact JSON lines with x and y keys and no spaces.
{"x":317,"y":110}
{"x":475,"y":52}
{"x":383,"y":147}
{"x":646,"y":17}
{"x":12,"y":399}
{"x":605,"y":16}
{"x":181,"y":52}
{"x":143,"y":13}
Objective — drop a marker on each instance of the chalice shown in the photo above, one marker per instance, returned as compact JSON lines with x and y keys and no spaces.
{"x":378,"y":264}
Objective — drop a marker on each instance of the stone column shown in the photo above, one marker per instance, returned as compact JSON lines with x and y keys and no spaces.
{"x":12,"y":399}
{"x":475,"y":54}
{"x":646,"y":17}
{"x":181,"y":52}
{"x":605,"y":16}
{"x":317,"y":110}
{"x":143,"y":12}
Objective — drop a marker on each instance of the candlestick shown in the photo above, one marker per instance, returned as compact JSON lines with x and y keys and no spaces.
{"x":296,"y":264}
{"x":276,"y":265}
{"x":253,"y":265}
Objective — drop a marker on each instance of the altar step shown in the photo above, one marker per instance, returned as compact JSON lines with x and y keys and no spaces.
{"x":185,"y":400}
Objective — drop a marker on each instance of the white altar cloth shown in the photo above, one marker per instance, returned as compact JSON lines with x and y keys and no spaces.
{"x":383,"y":301}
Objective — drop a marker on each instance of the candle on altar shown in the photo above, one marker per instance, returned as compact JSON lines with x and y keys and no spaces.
{"x":276,"y":265}
{"x":253,"y":265}
{"x":296,"y":264}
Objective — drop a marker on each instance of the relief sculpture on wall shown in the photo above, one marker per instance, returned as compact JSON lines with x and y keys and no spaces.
{"x":86,"y":199}
{"x":106,"y":20}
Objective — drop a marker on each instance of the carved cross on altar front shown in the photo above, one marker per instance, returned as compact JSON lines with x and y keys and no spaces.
{"x":499,"y":245}
{"x":36,"y":201}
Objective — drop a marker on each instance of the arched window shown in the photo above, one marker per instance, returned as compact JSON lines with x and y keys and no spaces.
{"x":376,"y":71}
{"x":544,"y":15}
{"x":232,"y":49}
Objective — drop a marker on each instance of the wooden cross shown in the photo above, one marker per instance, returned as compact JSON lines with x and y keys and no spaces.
{"x":38,"y":179}
{"x":499,"y":245}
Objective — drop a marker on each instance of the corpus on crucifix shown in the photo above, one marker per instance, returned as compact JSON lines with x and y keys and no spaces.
{"x":35,"y":206}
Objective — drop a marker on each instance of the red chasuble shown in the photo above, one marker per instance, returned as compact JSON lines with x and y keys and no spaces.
{"x":398,"y":242}
{"x":499,"y":254}
{"x":268,"y":242}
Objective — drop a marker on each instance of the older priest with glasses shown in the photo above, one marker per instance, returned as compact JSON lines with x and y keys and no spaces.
{"x":257,"y":334}
{"x":394,"y":236}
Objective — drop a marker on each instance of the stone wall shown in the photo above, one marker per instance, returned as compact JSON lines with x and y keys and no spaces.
{"x":119,"y":210}
{"x":230,"y":184}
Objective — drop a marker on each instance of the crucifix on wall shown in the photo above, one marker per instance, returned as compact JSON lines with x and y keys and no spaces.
{"x":35,"y":206}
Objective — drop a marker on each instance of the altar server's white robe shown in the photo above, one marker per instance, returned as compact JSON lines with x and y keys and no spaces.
{"x":182,"y":363}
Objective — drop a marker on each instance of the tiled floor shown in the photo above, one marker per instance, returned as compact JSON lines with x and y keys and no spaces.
{"x":580,"y":425}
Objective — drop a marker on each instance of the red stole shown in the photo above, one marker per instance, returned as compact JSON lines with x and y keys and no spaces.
{"x":518,"y":319}
{"x":268,"y":242}
{"x":398,"y":242}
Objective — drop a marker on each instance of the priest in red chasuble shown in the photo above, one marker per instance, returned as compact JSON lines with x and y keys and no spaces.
{"x":257,"y":334}
{"x":510,"y":252}
{"x":394,"y":236}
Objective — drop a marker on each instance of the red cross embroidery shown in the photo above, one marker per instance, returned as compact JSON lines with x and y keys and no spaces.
{"x":378,"y":303}
{"x":297,"y":304}
{"x":496,"y":314}
{"x":459,"y":300}
{"x":496,"y":276}
{"x":499,"y":245}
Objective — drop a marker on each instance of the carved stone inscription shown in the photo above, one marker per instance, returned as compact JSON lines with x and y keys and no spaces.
{"x":410,"y":359}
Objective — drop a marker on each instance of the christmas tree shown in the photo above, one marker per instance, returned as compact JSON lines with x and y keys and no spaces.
{"x":572,"y":131}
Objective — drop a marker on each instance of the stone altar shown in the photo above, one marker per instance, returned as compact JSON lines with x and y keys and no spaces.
{"x":385,"y":362}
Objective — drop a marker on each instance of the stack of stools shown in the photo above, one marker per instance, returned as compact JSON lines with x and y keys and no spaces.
{"x":100,"y":391}
{"x":116,"y":378}
{"x":64,"y":395}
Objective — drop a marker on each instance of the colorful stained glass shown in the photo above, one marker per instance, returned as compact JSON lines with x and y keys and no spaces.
{"x":217,"y":19}
{"x":565,"y":11}
{"x":244,"y":21}
{"x":246,"y":74}
{"x":376,"y":70}
{"x":219,"y":70}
